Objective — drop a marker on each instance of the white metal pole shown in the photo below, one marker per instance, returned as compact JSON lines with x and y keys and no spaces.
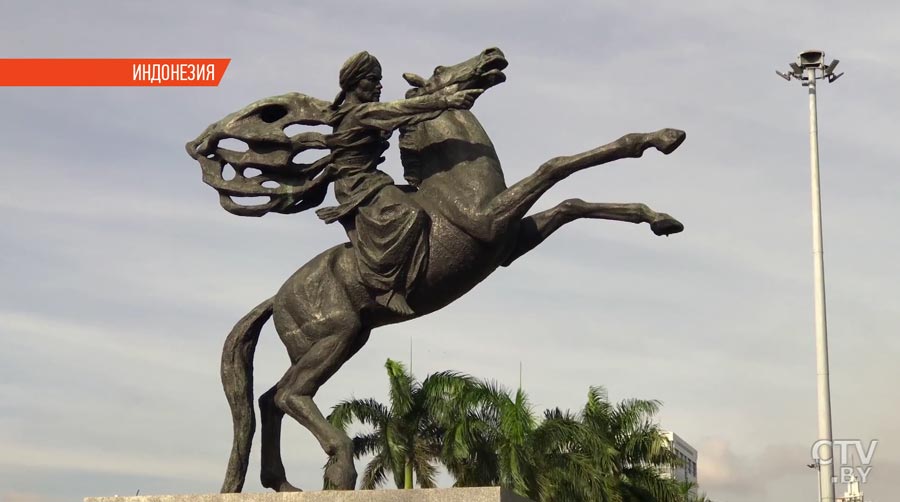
{"x":826,"y":475}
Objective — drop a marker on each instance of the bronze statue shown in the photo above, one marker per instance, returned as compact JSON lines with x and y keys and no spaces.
{"x":413,"y":248}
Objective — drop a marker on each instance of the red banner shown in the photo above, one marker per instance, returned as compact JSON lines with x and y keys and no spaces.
{"x":112,"y":72}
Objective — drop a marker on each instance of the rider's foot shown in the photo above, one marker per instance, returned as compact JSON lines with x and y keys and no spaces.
{"x":395,"y":301}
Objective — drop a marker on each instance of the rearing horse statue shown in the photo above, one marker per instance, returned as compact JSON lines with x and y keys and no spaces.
{"x":324,"y":313}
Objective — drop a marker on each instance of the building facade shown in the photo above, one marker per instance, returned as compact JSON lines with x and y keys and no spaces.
{"x":853,"y":493}
{"x":686,"y":454}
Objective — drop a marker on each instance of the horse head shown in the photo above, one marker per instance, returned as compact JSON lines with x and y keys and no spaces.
{"x":482,"y":71}
{"x":452,"y":152}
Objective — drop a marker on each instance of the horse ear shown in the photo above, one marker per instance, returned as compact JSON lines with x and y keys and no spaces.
{"x":414,"y":80}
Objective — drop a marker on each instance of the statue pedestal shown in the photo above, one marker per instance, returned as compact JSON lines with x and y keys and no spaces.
{"x":489,"y":494}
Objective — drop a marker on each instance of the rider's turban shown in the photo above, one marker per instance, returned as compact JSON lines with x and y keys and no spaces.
{"x":355,"y":69}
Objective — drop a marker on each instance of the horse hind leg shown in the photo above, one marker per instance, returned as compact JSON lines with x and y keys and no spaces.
{"x":272,"y":474}
{"x":536,"y":228}
{"x":334,"y":340}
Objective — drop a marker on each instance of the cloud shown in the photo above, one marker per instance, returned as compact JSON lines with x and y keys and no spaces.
{"x":721,"y":470}
{"x":723,"y":474}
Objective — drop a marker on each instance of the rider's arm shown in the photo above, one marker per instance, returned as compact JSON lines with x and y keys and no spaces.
{"x":392,"y":115}
{"x":395,"y":114}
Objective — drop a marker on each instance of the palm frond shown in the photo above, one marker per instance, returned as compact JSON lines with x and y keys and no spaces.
{"x":367,"y":411}
{"x":425,"y":472}
{"x":648,"y":480}
{"x":375,"y":475}
{"x":402,"y":387}
{"x":368,"y":444}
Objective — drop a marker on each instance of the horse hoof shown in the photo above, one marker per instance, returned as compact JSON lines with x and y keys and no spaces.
{"x":339,"y":477}
{"x":279,"y":486}
{"x":666,"y":225}
{"x":669,"y":140}
{"x":287,"y":487}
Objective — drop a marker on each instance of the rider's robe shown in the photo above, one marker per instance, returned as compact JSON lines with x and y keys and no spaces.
{"x":391,"y":230}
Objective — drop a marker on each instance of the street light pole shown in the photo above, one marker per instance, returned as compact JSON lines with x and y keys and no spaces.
{"x":818,"y":467}
{"x":823,"y":386}
{"x":809,"y":68}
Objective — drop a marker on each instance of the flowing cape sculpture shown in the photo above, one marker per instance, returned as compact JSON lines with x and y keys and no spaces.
{"x":473,"y":223}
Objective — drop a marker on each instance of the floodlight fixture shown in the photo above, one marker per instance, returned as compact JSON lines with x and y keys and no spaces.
{"x":810,"y":66}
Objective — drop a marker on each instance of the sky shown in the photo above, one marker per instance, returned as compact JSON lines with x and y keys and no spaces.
{"x":121,"y":275}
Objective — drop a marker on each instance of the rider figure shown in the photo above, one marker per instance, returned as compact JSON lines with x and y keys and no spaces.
{"x":388,"y":230}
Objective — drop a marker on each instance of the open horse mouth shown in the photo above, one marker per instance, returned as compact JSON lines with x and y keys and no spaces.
{"x":490,"y":71}
{"x":482,"y":71}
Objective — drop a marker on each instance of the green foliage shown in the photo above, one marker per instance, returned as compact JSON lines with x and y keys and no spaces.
{"x":406,"y":440}
{"x":487,"y":436}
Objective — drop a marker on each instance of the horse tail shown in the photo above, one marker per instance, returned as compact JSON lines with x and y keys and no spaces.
{"x":237,"y":380}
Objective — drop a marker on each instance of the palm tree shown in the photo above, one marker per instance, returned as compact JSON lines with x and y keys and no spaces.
{"x":604,"y":453}
{"x":487,"y":436}
{"x":687,"y":491}
{"x":570,"y":463}
{"x":640,"y":448}
{"x":406,"y":437}
{"x":471,"y":426}
{"x":514,"y":425}
{"x":501,"y":442}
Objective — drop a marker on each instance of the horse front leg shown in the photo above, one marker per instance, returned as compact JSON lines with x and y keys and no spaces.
{"x":512,"y":204}
{"x":537,"y":227}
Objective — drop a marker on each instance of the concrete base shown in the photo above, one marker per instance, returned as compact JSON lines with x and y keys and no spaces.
{"x":490,"y":494}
